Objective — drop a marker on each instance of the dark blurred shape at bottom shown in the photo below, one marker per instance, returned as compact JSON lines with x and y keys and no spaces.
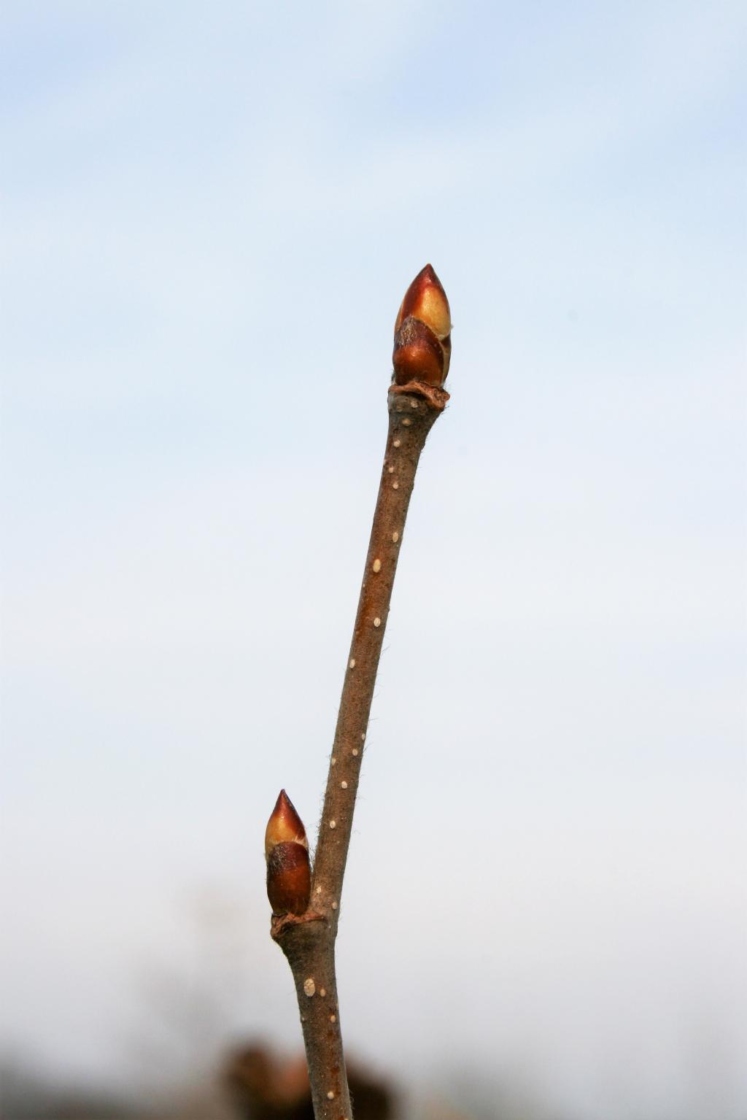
{"x":264,"y":1086}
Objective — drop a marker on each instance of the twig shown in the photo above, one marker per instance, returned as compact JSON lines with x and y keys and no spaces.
{"x":306,"y":927}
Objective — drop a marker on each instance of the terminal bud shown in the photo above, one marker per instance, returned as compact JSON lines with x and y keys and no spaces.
{"x":422,"y":332}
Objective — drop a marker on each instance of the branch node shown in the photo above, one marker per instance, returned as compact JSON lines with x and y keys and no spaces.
{"x":281,"y":923}
{"x":434,"y":396}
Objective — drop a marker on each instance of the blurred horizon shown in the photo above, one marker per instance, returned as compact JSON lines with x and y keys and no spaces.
{"x":210,"y":219}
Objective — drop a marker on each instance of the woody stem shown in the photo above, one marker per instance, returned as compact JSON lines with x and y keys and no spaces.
{"x":309,"y":941}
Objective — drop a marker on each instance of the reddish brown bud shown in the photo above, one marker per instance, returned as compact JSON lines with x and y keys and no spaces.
{"x":284,"y":825}
{"x":422,"y":333}
{"x":288,"y":878}
{"x":426,"y":300}
{"x":287,"y":852}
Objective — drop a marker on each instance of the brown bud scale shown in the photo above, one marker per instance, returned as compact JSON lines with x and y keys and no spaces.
{"x":288,"y":878}
{"x":418,"y":355}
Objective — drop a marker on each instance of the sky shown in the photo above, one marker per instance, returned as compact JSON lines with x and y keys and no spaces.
{"x":210,"y":216}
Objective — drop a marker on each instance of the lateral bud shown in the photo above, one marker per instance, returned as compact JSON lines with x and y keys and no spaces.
{"x":287,"y":854}
{"x":422,"y":332}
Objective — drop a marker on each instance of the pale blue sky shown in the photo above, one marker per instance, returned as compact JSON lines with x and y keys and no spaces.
{"x":210,"y":217}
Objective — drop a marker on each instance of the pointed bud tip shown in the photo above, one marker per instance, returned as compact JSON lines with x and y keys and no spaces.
{"x":284,"y":825}
{"x":426,"y":300}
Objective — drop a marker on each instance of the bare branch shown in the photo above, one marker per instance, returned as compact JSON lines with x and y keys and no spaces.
{"x":306,"y":934}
